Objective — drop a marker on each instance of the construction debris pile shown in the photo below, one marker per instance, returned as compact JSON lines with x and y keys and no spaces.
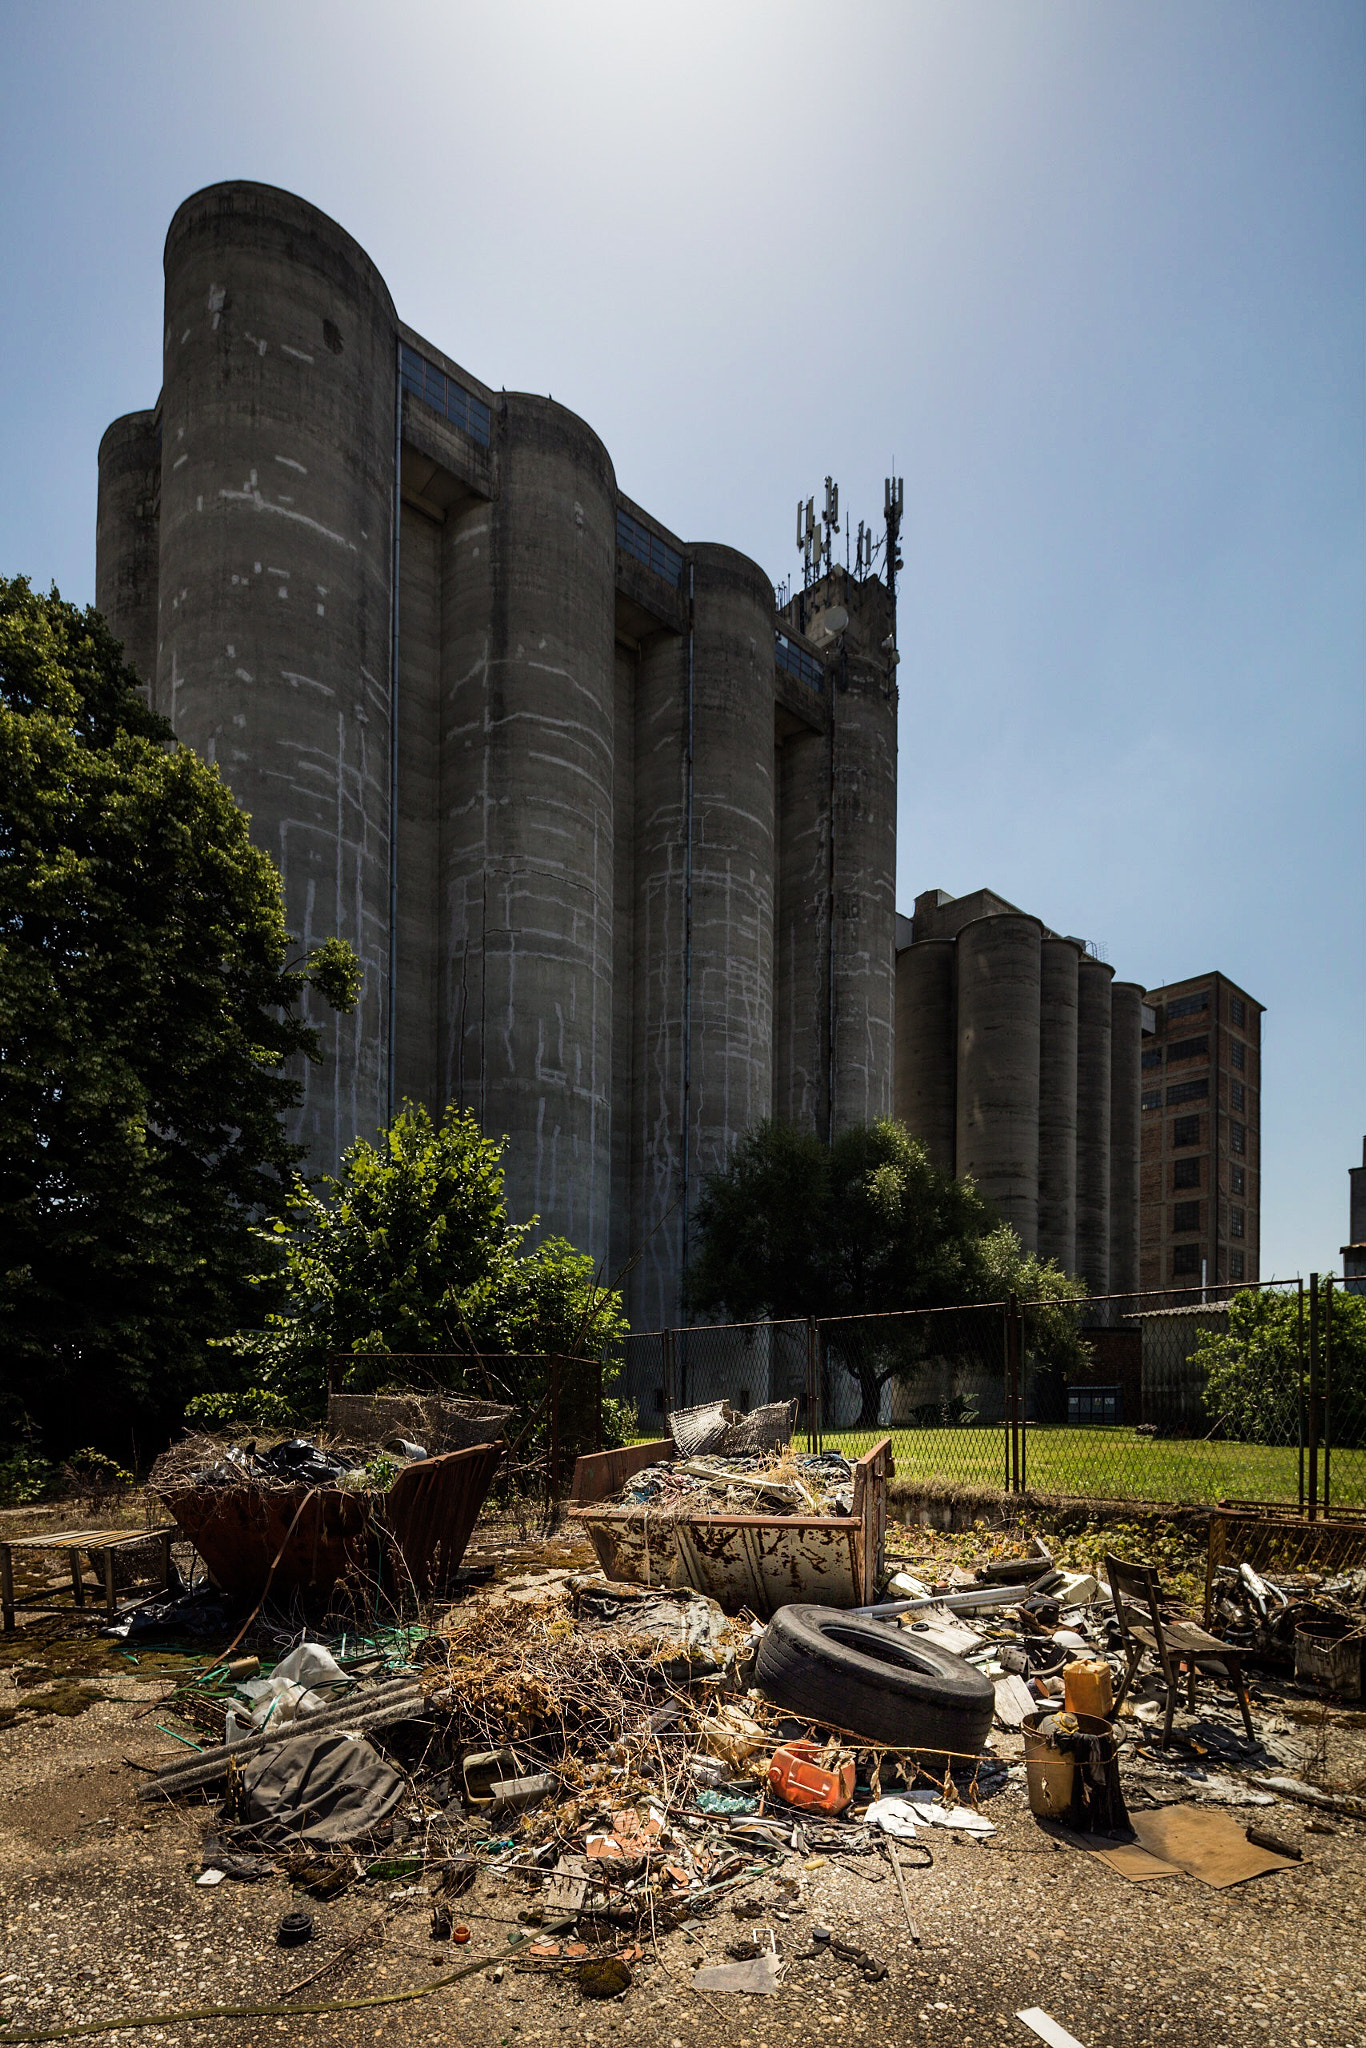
{"x":821,"y":1484}
{"x":1292,"y":1621}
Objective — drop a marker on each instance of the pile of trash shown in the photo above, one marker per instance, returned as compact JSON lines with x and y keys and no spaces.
{"x":1268,"y":1617}
{"x":820,"y":1484}
{"x":291,"y":1461}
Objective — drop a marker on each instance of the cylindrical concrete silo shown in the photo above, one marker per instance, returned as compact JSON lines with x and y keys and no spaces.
{"x":801,"y":997}
{"x":926,"y":1046}
{"x":1093,"y":1123}
{"x":1126,"y":1048}
{"x":863,"y":703}
{"x":128,"y":539}
{"x":277,"y":503}
{"x":704,"y":908}
{"x":1058,"y":1102}
{"x":998,"y":1065}
{"x":528,"y":687}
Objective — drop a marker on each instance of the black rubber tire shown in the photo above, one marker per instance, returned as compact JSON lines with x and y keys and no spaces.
{"x":875,"y":1680}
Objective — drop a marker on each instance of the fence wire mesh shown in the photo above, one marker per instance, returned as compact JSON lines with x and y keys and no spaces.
{"x":1184,"y":1397}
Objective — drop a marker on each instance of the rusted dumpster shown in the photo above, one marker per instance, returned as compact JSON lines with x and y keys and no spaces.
{"x":759,"y":1562}
{"x":303,"y":1539}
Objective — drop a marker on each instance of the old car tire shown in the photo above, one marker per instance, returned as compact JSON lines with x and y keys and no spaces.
{"x":875,"y":1680}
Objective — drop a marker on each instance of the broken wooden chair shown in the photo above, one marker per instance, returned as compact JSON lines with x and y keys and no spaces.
{"x":1136,"y":1594}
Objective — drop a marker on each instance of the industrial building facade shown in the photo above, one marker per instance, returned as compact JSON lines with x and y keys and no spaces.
{"x":613,"y":837}
{"x":1202,"y":1136}
{"x":1017,"y":1062}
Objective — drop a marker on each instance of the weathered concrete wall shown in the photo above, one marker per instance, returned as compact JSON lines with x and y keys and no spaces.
{"x":1059,"y":966}
{"x":801,"y":1082}
{"x":998,"y":1066}
{"x":623,"y":949}
{"x":128,"y":539}
{"x":417,"y":1055}
{"x":527,"y":869}
{"x":926,"y":1046}
{"x":863,"y":710}
{"x":277,"y":502}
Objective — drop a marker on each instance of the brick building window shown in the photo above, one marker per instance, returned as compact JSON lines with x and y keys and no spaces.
{"x":1188,"y":1006}
{"x":1186,"y":1216}
{"x":1237,"y":1180}
{"x":1236,"y":1266}
{"x":1152,"y":1059}
{"x":1153,"y":1099}
{"x":1185,"y":1173}
{"x":1237,"y":1010}
{"x":1186,"y":1130}
{"x":1185,"y":1259}
{"x":1238,"y":1054}
{"x":1187,"y":1091}
{"x":1235,"y":1223}
{"x":1237,"y":1138}
{"x":1189,"y":1049}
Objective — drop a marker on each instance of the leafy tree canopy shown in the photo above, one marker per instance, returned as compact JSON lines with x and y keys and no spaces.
{"x":148,"y":1008}
{"x":411,"y":1249}
{"x":865,"y":1226}
{"x":1257,"y":1370}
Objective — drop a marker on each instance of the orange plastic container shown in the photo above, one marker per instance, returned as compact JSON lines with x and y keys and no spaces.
{"x":1088,"y":1688}
{"x":796,"y":1777}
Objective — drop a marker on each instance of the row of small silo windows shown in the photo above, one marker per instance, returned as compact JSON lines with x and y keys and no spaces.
{"x":636,"y":539}
{"x":444,"y":395}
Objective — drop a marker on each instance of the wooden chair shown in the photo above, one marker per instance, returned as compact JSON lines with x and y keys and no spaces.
{"x":1136,"y":1593}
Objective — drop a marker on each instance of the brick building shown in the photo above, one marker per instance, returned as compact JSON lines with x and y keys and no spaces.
{"x":1201,"y":1172}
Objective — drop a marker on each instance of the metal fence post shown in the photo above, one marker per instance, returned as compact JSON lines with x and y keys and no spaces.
{"x":813,"y":1372}
{"x":818,"y":1410}
{"x":1327,"y":1394}
{"x":597,"y":1412}
{"x":1005,"y":1381}
{"x":1313,"y":1396}
{"x":1299,"y":1379}
{"x":554,"y":1427}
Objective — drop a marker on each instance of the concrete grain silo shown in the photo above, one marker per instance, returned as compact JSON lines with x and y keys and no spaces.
{"x":527,"y":827}
{"x":276,"y":554}
{"x":801,"y":995}
{"x":1058,"y":1101}
{"x":863,"y":703}
{"x":518,"y":744}
{"x":926,"y":1046}
{"x":997,"y":1141}
{"x":1093,"y":1123}
{"x":128,"y":538}
{"x":1126,"y":1040}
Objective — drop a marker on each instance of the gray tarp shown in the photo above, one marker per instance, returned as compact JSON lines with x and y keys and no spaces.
{"x":320,"y":1791}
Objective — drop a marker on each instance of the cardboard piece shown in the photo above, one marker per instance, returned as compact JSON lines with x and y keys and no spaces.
{"x":1207,"y":1844}
{"x":1126,"y":1859}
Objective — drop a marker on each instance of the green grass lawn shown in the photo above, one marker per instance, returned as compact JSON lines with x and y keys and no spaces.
{"x":1111,"y":1464}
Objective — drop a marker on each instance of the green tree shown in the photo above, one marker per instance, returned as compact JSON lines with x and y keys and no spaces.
{"x":1257,"y":1371}
{"x":148,"y":1010}
{"x":411,"y":1249}
{"x":865,"y":1226}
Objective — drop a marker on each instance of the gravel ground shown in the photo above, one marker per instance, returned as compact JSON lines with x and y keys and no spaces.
{"x":101,"y":1917}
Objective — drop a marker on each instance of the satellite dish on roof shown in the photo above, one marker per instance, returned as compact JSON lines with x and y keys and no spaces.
{"x":827,"y":625}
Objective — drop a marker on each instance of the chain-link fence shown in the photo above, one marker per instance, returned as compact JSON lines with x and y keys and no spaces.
{"x":556,"y":1401}
{"x":1188,"y":1397}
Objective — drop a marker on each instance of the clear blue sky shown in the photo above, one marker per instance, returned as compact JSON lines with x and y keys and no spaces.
{"x":1091,"y":274}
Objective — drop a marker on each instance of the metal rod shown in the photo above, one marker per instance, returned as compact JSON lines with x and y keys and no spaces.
{"x":686,"y":1162}
{"x":1313,"y":1396}
{"x":1327,"y":1394}
{"x":895,"y":1862}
